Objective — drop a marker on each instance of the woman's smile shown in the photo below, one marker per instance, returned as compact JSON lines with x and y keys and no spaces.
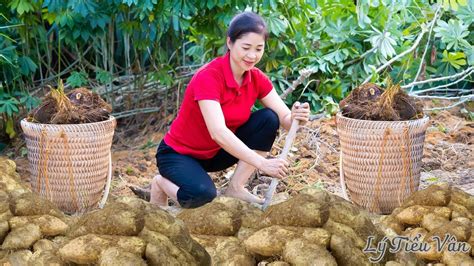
{"x":249,"y":64}
{"x":246,"y":52}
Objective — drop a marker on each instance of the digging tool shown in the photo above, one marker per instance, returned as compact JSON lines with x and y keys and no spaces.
{"x":288,"y":143}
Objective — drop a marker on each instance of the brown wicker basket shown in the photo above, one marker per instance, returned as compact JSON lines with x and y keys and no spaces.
{"x":70,"y":164}
{"x":380,"y":160}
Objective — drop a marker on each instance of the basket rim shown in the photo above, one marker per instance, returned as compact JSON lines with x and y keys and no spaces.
{"x":111,"y":118}
{"x":425,"y":117}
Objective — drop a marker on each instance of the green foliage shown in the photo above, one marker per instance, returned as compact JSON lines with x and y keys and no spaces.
{"x":466,"y":14}
{"x":103,"y":76}
{"x":452,"y":33}
{"x":383,"y":43}
{"x":27,"y":66}
{"x":454,"y":4}
{"x":9,"y":106}
{"x":21,"y":6}
{"x":456,"y":60}
{"x":77,"y":79}
{"x":29,"y":101}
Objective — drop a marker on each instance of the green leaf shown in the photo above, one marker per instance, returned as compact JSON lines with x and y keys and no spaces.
{"x":466,"y":13}
{"x":340,"y":30}
{"x":452,"y":33}
{"x":454,"y":59}
{"x":77,"y":79}
{"x":21,"y":6}
{"x":277,"y":24}
{"x":432,"y":179}
{"x":29,"y":101}
{"x":470,"y":55}
{"x":383,"y":43}
{"x":103,"y":76}
{"x":83,"y":7}
{"x":454,"y":4}
{"x":27,"y":66}
{"x":130,"y":2}
{"x":9,"y":106}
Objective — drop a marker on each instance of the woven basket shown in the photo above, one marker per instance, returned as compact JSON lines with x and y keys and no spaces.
{"x":70,"y":164}
{"x":380,"y":160}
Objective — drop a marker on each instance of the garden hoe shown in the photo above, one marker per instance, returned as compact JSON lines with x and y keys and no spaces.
{"x":288,"y":143}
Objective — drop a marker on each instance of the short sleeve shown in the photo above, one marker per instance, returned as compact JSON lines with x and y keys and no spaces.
{"x":264,"y":84}
{"x":207,"y":84}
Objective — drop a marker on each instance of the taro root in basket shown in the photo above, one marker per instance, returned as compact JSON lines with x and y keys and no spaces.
{"x":370,"y":102}
{"x":76,"y":107}
{"x":69,"y":137}
{"x":381,"y":134}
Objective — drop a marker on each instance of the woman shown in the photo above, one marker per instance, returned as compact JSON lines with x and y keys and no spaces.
{"x":215,"y":129}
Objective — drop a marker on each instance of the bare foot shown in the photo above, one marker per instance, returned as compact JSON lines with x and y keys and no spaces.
{"x":157,"y":195}
{"x":242,"y":194}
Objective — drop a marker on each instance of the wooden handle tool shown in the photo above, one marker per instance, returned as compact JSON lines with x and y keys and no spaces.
{"x":288,"y":144}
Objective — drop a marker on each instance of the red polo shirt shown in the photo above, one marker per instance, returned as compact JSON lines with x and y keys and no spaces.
{"x":214,"y":81}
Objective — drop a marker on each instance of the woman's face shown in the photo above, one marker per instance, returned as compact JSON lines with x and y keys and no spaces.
{"x":246,"y":51}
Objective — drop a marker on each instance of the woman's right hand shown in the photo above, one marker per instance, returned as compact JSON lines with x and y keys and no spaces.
{"x":275,"y":167}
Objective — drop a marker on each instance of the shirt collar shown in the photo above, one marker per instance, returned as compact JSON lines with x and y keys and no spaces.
{"x":229,"y":77}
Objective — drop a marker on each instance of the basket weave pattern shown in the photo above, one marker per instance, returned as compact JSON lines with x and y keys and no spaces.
{"x":69,"y":163}
{"x":381,"y":160}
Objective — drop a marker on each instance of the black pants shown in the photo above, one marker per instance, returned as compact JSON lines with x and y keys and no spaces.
{"x":190,"y":174}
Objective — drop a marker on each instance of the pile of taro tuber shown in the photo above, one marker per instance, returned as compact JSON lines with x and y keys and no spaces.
{"x":370,"y":102}
{"x":312,"y":228}
{"x":432,"y":214}
{"x":128,"y":231}
{"x":76,"y":107}
{"x":318,"y":228}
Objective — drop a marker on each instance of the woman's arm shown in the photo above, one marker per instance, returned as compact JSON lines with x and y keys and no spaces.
{"x":298,"y":111}
{"x":215,"y":122}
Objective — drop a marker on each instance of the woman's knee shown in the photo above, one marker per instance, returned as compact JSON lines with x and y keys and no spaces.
{"x":200,"y":195}
{"x":271,"y":119}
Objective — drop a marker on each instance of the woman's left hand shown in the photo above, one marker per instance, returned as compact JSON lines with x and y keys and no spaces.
{"x":300,"y":111}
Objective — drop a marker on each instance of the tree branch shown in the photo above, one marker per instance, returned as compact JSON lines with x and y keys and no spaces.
{"x":469,"y":97}
{"x":360,"y":57}
{"x":426,"y":47}
{"x":304,"y":73}
{"x":449,"y":106}
{"x":135,"y":111}
{"x":437,"y":79}
{"x":415,"y":44}
{"x":395,"y":58}
{"x":442,"y":86}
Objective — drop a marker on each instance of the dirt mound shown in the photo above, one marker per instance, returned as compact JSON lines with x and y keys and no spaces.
{"x":370,"y":102}
{"x":76,"y":107}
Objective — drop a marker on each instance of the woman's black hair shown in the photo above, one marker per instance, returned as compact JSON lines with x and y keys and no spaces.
{"x":244,"y":23}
